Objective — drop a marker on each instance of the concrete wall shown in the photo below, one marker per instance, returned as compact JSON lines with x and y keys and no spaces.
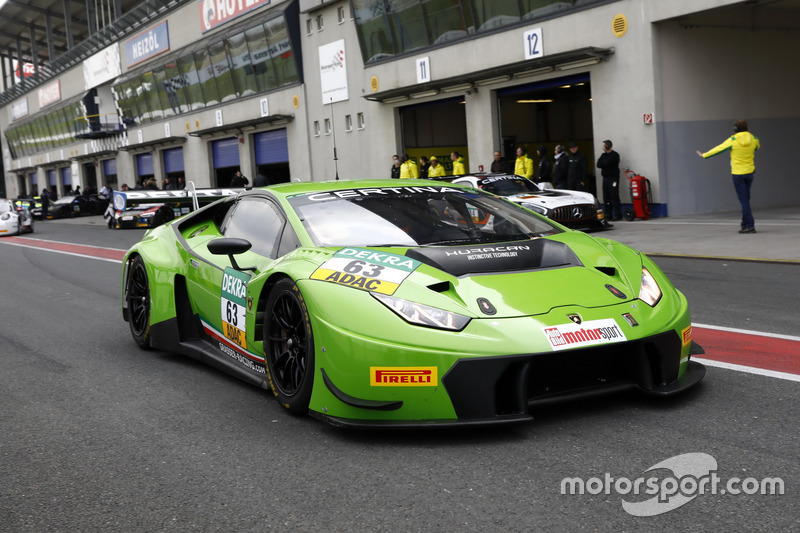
{"x":709,"y":77}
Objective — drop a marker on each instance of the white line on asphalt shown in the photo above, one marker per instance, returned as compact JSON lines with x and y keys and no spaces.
{"x":749,"y":332}
{"x":63,"y":252}
{"x":748,"y":369}
{"x":75,"y":244}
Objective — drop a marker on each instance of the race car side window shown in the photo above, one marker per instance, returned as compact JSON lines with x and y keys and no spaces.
{"x":258,"y":221}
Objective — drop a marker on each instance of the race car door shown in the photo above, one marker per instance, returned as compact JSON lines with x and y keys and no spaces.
{"x":217,"y":289}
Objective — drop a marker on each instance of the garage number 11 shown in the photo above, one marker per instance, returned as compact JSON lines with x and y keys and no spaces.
{"x":534,"y":45}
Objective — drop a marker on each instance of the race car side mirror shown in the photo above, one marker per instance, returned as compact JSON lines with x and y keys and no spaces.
{"x":230,"y":247}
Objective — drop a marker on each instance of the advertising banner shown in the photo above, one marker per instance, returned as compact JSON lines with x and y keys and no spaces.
{"x":147,"y":44}
{"x":215,"y":13}
{"x":333,"y":72}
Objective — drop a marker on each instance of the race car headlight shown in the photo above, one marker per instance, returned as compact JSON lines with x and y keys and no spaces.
{"x":5,"y":216}
{"x":537,"y":208}
{"x":423,"y":315}
{"x":649,"y":292}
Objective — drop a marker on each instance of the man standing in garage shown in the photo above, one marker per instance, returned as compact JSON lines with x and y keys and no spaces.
{"x":608,"y":163}
{"x":577,"y":169}
{"x":743,"y":146}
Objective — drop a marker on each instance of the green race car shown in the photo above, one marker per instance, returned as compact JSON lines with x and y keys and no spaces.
{"x":375,"y":303}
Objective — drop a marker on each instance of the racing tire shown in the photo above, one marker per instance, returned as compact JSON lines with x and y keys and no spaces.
{"x":629,"y":215}
{"x":137,"y":297}
{"x":289,"y":347}
{"x":163,"y":215}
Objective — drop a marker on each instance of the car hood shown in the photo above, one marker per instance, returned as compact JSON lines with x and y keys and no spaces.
{"x":552,"y":198}
{"x":530,"y":277}
{"x":521,"y":278}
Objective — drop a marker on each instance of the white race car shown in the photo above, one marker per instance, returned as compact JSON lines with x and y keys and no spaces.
{"x":574,"y":209}
{"x":14,"y":219}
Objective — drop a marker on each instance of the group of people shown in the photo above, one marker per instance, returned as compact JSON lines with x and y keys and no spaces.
{"x":569,"y":169}
{"x":405,"y":167}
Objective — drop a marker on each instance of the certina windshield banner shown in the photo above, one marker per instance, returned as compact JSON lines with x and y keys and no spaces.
{"x":147,"y":44}
{"x":333,"y":72}
{"x":215,"y":13}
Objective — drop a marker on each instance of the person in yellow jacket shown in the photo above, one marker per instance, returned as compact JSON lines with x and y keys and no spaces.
{"x":458,"y":164}
{"x":523,"y":166}
{"x":408,"y":169}
{"x":742,"y":145}
{"x":435,"y":170}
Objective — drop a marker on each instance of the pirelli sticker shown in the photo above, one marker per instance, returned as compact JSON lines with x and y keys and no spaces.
{"x":591,"y":333}
{"x":686,"y":335}
{"x":233,"y":302}
{"x":403,"y":376}
{"x":365,"y":269}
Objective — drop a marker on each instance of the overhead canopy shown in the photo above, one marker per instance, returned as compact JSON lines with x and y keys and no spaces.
{"x":467,"y":81}
{"x":55,"y":35}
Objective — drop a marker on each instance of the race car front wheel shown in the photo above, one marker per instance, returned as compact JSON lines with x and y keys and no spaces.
{"x":289,"y":346}
{"x":137,"y":296}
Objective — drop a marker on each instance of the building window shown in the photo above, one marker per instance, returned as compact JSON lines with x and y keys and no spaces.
{"x":309,"y":26}
{"x":340,"y":13}
{"x":320,"y":23}
{"x":348,"y":123}
{"x":327,"y":126}
{"x":361,"y":123}
{"x":316,"y":128}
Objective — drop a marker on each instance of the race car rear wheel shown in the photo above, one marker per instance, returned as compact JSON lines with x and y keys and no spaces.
{"x":137,"y":295}
{"x":289,"y":346}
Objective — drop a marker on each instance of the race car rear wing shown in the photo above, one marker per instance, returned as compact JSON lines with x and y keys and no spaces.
{"x":190,"y":196}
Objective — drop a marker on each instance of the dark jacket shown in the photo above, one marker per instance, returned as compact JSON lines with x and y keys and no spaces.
{"x":499,"y":167}
{"x":577,"y":171}
{"x":560,"y":171}
{"x":544,"y":170}
{"x":608,"y":163}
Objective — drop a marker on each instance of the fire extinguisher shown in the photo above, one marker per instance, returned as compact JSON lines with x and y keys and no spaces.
{"x":640,"y":192}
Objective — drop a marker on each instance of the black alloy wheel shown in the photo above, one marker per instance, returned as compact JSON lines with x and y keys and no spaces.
{"x":137,"y":296}
{"x":289,"y":347}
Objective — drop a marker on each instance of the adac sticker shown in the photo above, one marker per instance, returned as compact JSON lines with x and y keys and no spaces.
{"x":593,"y":332}
{"x":403,"y":376}
{"x":365,"y":269}
{"x":233,"y":305}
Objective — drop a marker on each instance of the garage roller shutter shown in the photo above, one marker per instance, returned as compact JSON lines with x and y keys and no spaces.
{"x":32,"y":175}
{"x":144,"y":162}
{"x":226,"y":153}
{"x":271,"y":147}
{"x":110,"y":167}
{"x":66,"y":176}
{"x":51,"y":177}
{"x":173,"y":160}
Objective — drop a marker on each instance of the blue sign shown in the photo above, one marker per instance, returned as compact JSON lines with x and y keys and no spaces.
{"x":148,"y":44}
{"x":120,"y":200}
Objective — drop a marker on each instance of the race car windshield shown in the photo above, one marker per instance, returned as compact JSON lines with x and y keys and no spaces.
{"x":415,"y":216}
{"x":509,"y":186}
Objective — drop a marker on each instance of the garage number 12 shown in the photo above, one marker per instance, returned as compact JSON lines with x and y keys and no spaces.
{"x":233,"y":305}
{"x":534,"y":45}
